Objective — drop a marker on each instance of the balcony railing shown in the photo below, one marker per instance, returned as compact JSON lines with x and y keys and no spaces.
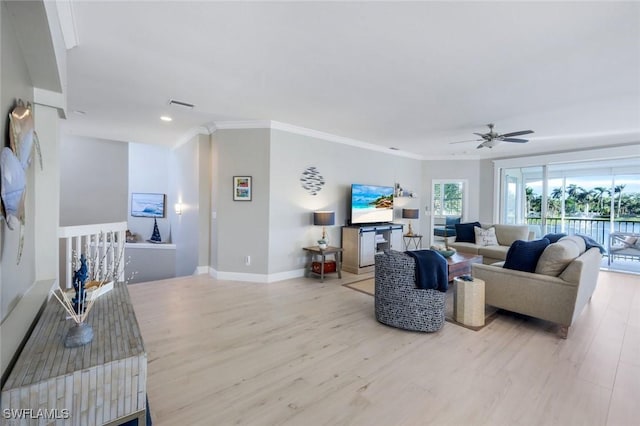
{"x":596,"y":228}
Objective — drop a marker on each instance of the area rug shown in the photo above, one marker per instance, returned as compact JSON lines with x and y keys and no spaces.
{"x":368,"y":287}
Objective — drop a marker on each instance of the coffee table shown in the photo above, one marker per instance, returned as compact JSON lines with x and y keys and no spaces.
{"x":460,"y":264}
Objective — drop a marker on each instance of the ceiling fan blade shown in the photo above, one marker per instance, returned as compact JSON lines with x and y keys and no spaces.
{"x":482,"y":135}
{"x":480,"y":146}
{"x":470,"y":140}
{"x":514,"y":140}
{"x":520,"y":133}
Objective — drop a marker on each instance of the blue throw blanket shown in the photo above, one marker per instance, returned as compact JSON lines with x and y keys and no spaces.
{"x":590,"y":243}
{"x":431,"y":270}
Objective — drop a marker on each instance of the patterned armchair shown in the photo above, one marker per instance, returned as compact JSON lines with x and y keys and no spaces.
{"x":398,"y":302}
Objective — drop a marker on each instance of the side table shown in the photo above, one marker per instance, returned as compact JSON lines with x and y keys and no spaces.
{"x":468,"y":302}
{"x":322,"y":253}
{"x":415,"y":239}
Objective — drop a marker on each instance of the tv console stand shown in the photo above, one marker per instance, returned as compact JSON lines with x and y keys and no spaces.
{"x":361,"y":243}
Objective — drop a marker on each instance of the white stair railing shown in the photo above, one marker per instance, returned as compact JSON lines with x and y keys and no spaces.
{"x":103,"y":246}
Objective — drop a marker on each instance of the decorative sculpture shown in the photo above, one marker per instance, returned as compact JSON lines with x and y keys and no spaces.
{"x":155,"y":237}
{"x":14,"y":160}
{"x":79,"y":281}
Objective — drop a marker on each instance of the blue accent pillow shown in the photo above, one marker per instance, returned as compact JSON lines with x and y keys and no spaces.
{"x":553,"y":238}
{"x":465,"y":232}
{"x":524,"y":255}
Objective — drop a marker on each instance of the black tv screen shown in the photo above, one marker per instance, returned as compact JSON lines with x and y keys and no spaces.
{"x":371,"y":203}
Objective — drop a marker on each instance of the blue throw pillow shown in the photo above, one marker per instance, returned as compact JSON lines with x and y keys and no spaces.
{"x":465,"y":232}
{"x":553,"y":238}
{"x":524,"y":255}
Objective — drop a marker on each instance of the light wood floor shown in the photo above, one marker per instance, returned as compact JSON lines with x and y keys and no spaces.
{"x":301,"y":352}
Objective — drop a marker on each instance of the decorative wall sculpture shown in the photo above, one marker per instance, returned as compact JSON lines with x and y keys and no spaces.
{"x":312,"y":180}
{"x":14,"y":161}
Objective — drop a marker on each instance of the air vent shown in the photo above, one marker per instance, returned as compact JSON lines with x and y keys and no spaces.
{"x":180,"y":104}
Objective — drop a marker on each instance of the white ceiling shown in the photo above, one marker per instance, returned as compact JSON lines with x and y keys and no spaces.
{"x":415,"y":76}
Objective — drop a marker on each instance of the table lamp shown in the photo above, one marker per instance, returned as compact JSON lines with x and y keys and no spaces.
{"x":410,"y":214}
{"x":324,"y":218}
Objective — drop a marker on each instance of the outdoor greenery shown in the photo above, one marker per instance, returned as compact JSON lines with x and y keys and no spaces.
{"x":448,"y":203}
{"x":581,"y":202}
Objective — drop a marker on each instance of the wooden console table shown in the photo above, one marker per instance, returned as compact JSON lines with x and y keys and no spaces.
{"x":103,"y":382}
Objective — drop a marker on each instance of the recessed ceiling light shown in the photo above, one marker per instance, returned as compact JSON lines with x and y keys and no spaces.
{"x":166,"y":118}
{"x":393,"y":148}
{"x":78,"y":112}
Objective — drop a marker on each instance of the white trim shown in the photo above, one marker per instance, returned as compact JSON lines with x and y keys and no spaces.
{"x":192,"y":133}
{"x":73,"y":231}
{"x":158,"y":246}
{"x":255,"y":278}
{"x":67,"y":23}
{"x":51,"y":99}
{"x":290,"y":128}
{"x":201,"y":270}
{"x":571,"y":157}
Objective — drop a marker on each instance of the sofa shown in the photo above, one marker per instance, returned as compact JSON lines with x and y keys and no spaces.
{"x":564,"y":280}
{"x":505,"y":235}
{"x":398,"y":302}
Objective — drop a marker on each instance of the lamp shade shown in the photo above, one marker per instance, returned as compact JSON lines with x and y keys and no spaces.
{"x":410,"y":213}
{"x":324,"y":218}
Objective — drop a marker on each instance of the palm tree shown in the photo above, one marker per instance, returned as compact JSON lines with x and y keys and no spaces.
{"x":556,"y":193}
{"x":599,"y":195}
{"x":618,"y":190}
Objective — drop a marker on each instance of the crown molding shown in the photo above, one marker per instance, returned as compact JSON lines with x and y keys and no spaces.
{"x":290,"y":128}
{"x":192,"y":133}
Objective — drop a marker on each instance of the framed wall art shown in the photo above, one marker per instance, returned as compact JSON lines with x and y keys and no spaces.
{"x":145,"y":204}
{"x":242,"y":188}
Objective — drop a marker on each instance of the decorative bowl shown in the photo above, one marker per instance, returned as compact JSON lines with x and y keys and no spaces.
{"x":446,"y":253}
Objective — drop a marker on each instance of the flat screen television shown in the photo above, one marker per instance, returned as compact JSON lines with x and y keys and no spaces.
{"x":371,"y":203}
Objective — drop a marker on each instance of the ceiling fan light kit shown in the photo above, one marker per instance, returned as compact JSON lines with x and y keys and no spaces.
{"x":491,"y":138}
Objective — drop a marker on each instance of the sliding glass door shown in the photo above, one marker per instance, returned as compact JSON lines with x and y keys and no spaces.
{"x":591,"y":198}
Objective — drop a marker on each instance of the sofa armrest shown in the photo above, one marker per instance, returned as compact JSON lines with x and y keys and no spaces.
{"x":536,"y":295}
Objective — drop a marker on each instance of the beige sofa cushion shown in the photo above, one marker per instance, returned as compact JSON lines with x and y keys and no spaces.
{"x":556,"y":257}
{"x":465,"y":247}
{"x":579,"y":241}
{"x":494,"y":252}
{"x":507,"y":234}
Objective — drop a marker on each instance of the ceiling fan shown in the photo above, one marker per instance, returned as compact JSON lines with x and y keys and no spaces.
{"x":491,"y":139}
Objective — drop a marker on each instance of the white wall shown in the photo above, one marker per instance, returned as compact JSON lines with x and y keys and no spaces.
{"x":189,"y":184}
{"x":149,"y":172}
{"x":291,"y":206}
{"x":242,"y":227}
{"x":15,"y":83}
{"x":94,"y":176}
{"x":24,"y":287}
{"x":274,"y":227}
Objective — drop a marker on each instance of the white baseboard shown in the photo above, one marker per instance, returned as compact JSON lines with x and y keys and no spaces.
{"x":255,"y":278}
{"x":200,"y":270}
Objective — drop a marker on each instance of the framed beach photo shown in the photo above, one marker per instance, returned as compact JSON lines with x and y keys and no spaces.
{"x":242,"y":188}
{"x":147,"y":204}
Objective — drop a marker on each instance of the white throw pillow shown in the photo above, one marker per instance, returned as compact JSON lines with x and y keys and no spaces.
{"x":485,"y":237}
